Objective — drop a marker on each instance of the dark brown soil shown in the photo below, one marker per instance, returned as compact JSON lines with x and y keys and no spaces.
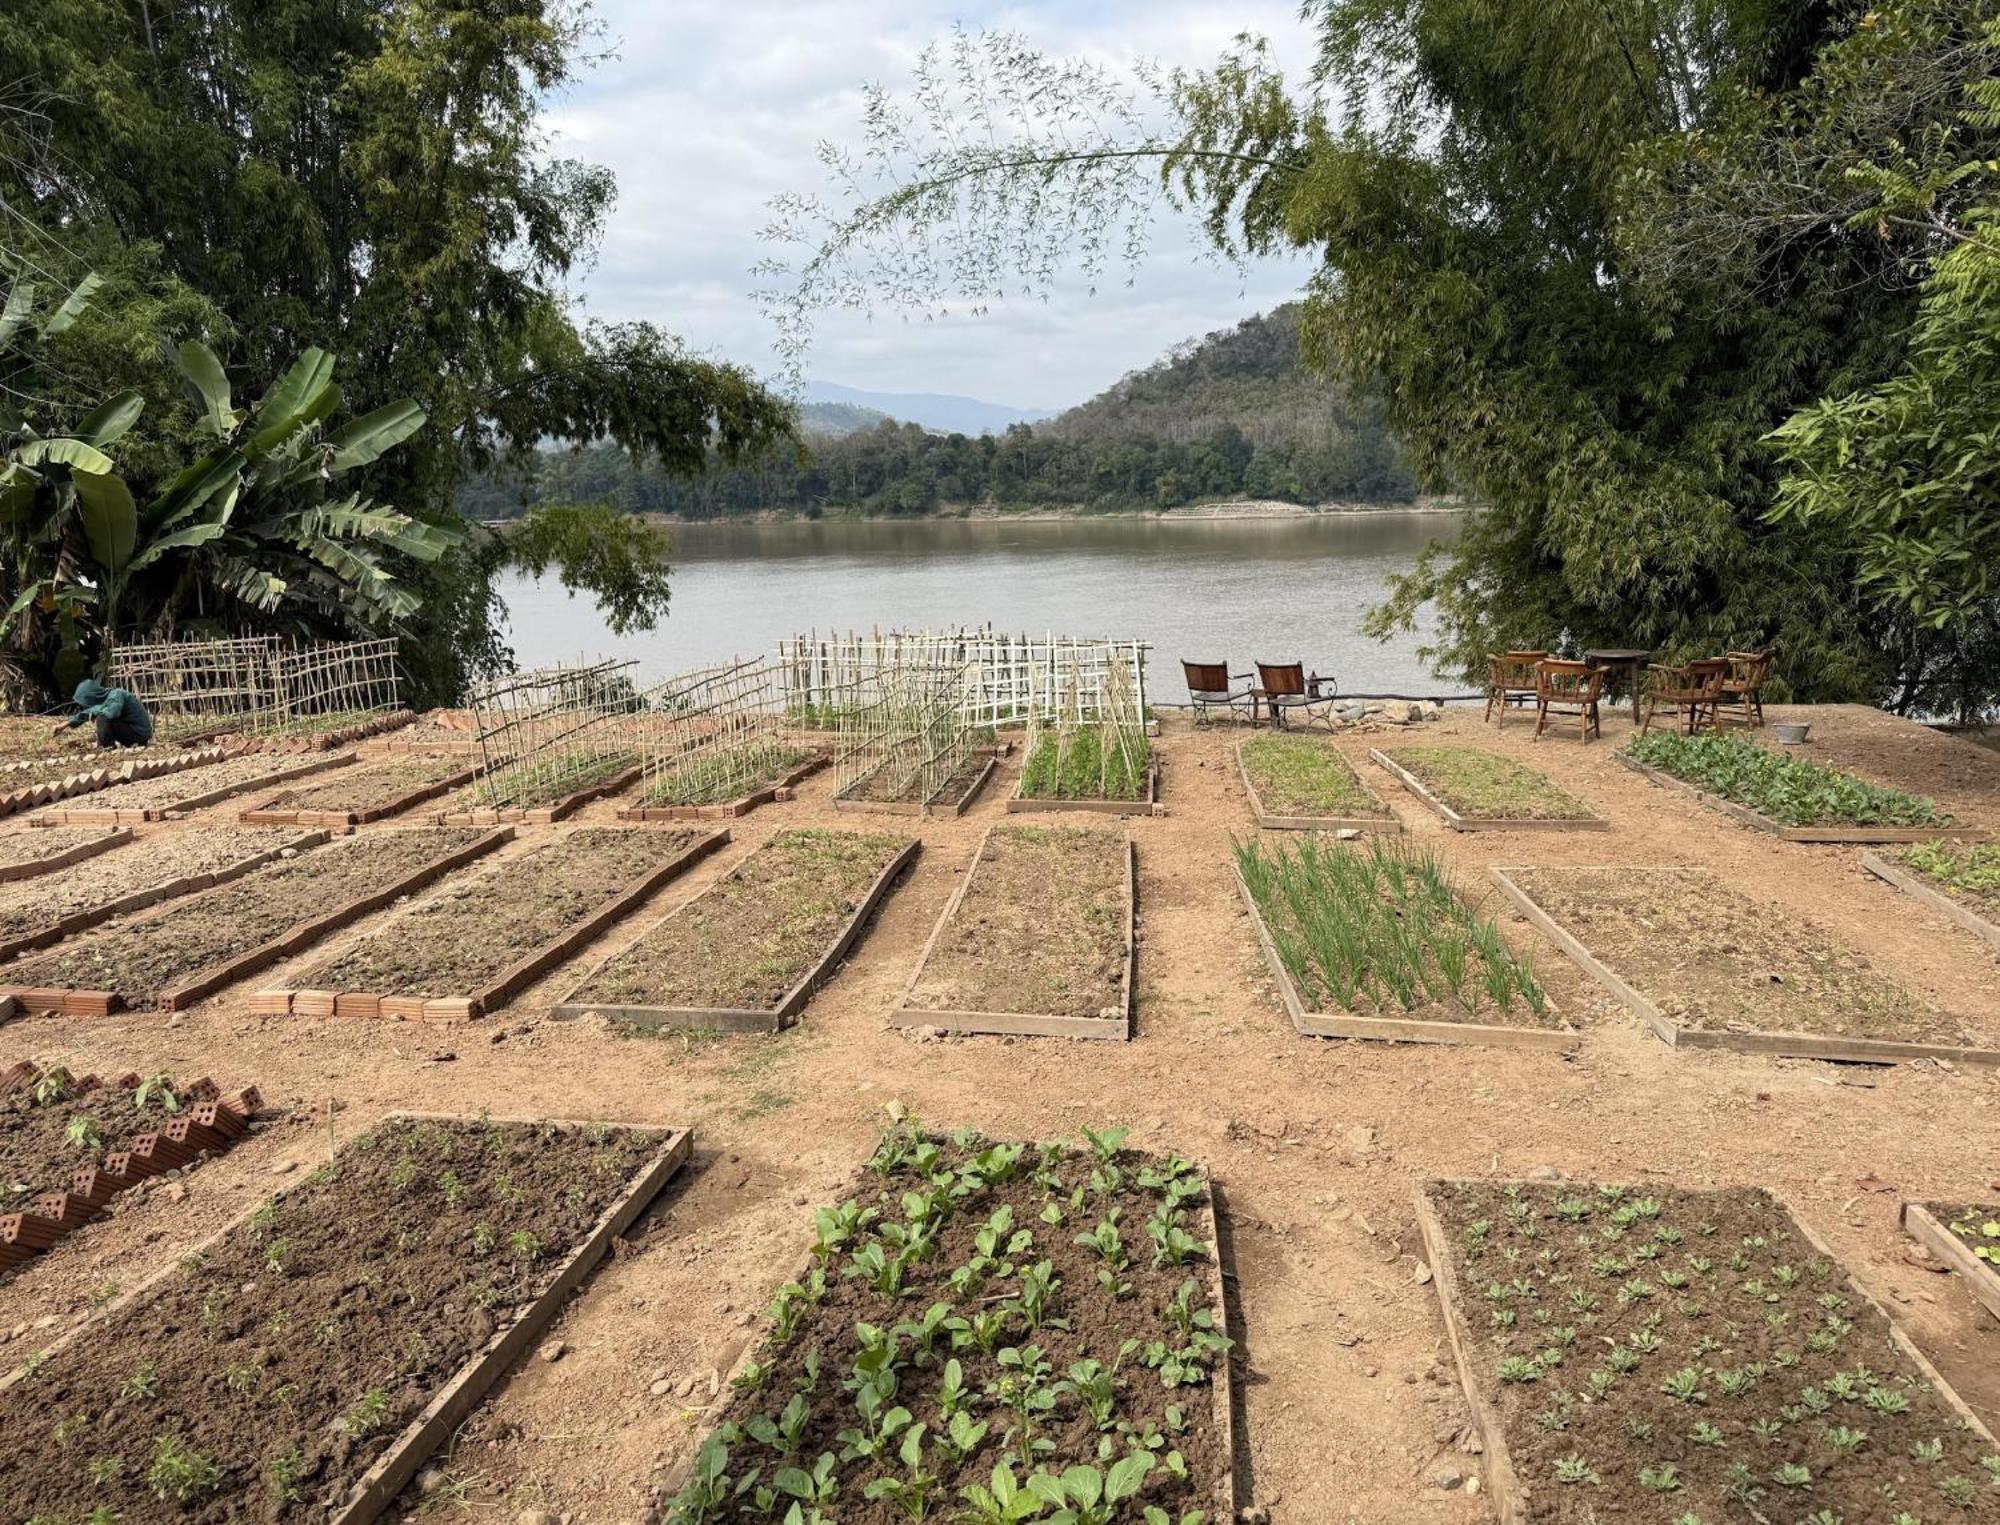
{"x":1711,"y":957}
{"x":469,"y":932}
{"x":879,"y":787}
{"x":368,"y":788}
{"x":1967,"y":1220}
{"x":1084,"y":1320}
{"x":287,"y":1357}
{"x":28,"y":905}
{"x":744,"y":943}
{"x":33,"y":844}
{"x":1039,"y":931}
{"x":158,"y":948}
{"x":36,"y":1155}
{"x":1777,"y":1353}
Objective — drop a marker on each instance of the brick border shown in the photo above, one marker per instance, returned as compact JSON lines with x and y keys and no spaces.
{"x":110,"y":816}
{"x":271,"y":814}
{"x":90,"y":780}
{"x":777,"y":789}
{"x":34,"y":868}
{"x":540,"y":815}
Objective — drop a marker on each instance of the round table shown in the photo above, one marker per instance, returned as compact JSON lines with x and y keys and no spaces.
{"x":1613,"y":659}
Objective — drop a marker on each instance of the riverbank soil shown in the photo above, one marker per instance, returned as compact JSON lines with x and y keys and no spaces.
{"x":1349,"y":1406}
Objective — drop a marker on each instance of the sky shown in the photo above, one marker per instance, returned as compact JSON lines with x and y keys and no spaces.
{"x":712,"y":107}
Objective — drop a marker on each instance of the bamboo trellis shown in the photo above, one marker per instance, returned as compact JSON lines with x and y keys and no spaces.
{"x":1116,"y":713}
{"x":258,"y":683}
{"x":903,"y":731}
{"x":551,"y":731}
{"x":715,"y":734}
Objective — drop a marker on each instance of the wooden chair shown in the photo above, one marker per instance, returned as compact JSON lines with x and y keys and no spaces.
{"x":1287,"y":688}
{"x":1690,"y":692}
{"x":1510,"y":676}
{"x":1209,"y":690}
{"x":1741,"y":698}
{"x":1568,"y":688}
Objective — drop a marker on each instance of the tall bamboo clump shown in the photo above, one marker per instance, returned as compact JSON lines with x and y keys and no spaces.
{"x":902,"y":733}
{"x":715,"y":734}
{"x":549,"y":732}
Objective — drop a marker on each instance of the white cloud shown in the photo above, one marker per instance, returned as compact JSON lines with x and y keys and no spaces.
{"x":712,"y":107}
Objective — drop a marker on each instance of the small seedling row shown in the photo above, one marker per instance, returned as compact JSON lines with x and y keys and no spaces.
{"x":953,"y":797}
{"x":773,"y":931}
{"x":30,"y":854}
{"x":1038,"y":940}
{"x":70,"y":1145}
{"x":1917,"y":888}
{"x":331,"y":738}
{"x":162,"y":810}
{"x":457,"y":956}
{"x":1706,"y":967}
{"x":992,"y":1332}
{"x":368,"y":794}
{"x":1580,"y":819}
{"x":1148,"y":802}
{"x":66,"y":779}
{"x":779,"y":788}
{"x":1476,"y":990}
{"x":230,"y":854}
{"x":467,"y":813}
{"x":175,"y":955}
{"x":1319,"y":791}
{"x":1965,"y":1237}
{"x":1830,"y":831}
{"x":1650,"y":1353}
{"x":305,"y":1362}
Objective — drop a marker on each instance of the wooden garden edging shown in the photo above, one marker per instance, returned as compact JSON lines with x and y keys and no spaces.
{"x":539,"y":815}
{"x":1386,"y":822}
{"x":1459,"y":822}
{"x":1981,"y":1279}
{"x":1320,"y":1024}
{"x":1027,"y":1024}
{"x":88,"y":780}
{"x":270,"y":813}
{"x":1743,"y":815}
{"x":1675,"y":1035}
{"x":744,"y":1019}
{"x":1510,"y":1494}
{"x":934,"y":806}
{"x":138,"y":900}
{"x":502,"y":988}
{"x":33,"y":869}
{"x":1936,"y":899}
{"x":115,"y":817}
{"x":777,"y":789}
{"x":102,"y":1003}
{"x":1148,"y":804}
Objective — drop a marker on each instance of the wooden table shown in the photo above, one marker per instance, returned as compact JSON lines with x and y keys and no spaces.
{"x":1614,"y":659}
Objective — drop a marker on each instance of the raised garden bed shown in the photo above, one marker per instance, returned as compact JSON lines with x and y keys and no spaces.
{"x":1650,"y":1354}
{"x":1788,"y":797}
{"x":533,"y":800}
{"x":174,"y":955}
{"x":68,"y":1145}
{"x":307,"y":733}
{"x":359,"y":795}
{"x":23,"y":786}
{"x":30,"y":854}
{"x":951,"y":798}
{"x":1376,"y":942}
{"x":688,"y":795}
{"x":459,"y":954}
{"x":304,"y":1363}
{"x":1966,"y":1237}
{"x":1707,"y":967}
{"x":749,"y":952}
{"x":1074,"y":772}
{"x":1959,"y":882}
{"x":1298,"y":784}
{"x":163,"y":866}
{"x":1472,"y":789}
{"x":990,"y":1332}
{"x":159,"y":799}
{"x":1038,"y":939}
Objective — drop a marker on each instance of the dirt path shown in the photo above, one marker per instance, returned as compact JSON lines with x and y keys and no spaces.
{"x":1350,"y":1411}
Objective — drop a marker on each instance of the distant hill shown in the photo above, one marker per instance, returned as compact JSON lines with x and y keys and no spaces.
{"x":834,"y":420}
{"x":932,"y":410}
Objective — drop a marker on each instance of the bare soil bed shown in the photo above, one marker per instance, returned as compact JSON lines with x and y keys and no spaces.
{"x":1300,"y":782}
{"x":745,"y":944}
{"x":151,"y":862}
{"x":266,"y":1374}
{"x":1041,"y":927}
{"x":467,"y":933}
{"x":518,"y":788}
{"x":153,"y":951}
{"x":1485,"y":788}
{"x":881,"y":789}
{"x":365,"y":791}
{"x":23,"y":853}
{"x":1651,"y":1355}
{"x":1711,"y":959}
{"x":978,"y":1313}
{"x":173,"y":789}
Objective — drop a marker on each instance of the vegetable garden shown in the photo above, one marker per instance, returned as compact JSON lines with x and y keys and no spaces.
{"x":356,"y":795}
{"x":1960,"y":881}
{"x":1090,"y":755}
{"x":989,"y":1332}
{"x":1473,"y":789}
{"x":1299,"y":783}
{"x":1964,"y":1236}
{"x":178,"y":793}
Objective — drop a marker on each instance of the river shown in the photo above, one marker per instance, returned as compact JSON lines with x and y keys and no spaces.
{"x":1240,"y":590}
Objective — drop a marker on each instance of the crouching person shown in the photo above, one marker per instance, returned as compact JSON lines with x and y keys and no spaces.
{"x":120,"y":719}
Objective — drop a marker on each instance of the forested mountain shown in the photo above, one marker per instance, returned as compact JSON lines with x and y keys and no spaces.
{"x":940,"y":412}
{"x":831,"y":420}
{"x":1231,"y":415}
